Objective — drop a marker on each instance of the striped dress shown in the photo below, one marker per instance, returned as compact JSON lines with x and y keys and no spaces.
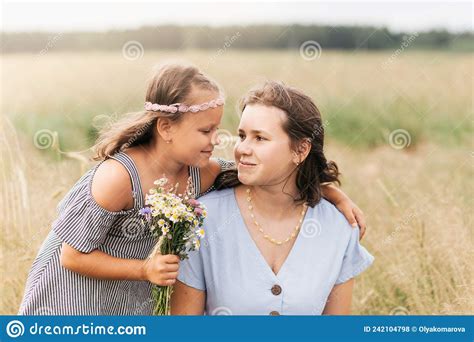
{"x":54,"y":290}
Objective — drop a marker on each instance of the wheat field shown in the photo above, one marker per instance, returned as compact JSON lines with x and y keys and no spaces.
{"x":417,"y":197}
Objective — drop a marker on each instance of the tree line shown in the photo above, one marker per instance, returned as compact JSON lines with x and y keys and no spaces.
{"x":239,"y":37}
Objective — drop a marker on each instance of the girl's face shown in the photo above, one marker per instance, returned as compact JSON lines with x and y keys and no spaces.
{"x":195,"y":136}
{"x":263,"y":154}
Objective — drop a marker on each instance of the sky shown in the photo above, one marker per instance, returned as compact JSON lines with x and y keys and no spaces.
{"x":63,"y":16}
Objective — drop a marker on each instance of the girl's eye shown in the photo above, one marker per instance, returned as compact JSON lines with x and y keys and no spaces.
{"x":241,"y":136}
{"x":207,"y":131}
{"x":259,"y":138}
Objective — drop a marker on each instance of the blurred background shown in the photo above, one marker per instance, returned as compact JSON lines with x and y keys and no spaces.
{"x":393,"y":81}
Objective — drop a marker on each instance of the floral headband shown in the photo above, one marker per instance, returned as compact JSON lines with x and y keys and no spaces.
{"x":179,"y":107}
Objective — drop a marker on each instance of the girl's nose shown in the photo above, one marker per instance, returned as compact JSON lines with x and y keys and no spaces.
{"x":215,"y":139}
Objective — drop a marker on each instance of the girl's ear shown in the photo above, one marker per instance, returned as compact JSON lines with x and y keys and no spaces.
{"x":302,"y":150}
{"x":164,"y":128}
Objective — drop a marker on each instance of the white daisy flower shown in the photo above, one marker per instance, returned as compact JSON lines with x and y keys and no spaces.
{"x":200,"y":232}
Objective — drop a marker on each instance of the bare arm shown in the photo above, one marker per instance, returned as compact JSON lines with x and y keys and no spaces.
{"x":187,"y":300}
{"x":209,"y":174}
{"x":333,"y":194}
{"x":161,"y":269}
{"x":340,"y":299}
{"x":351,"y":211}
{"x":111,"y":189}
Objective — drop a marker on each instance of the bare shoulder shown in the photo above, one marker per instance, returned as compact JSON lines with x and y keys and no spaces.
{"x":209,"y":174}
{"x":112,"y":187}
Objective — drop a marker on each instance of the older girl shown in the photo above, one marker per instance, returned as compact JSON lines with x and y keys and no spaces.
{"x":273,"y":245}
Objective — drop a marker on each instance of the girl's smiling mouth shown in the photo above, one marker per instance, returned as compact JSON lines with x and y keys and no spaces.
{"x":246,"y":164}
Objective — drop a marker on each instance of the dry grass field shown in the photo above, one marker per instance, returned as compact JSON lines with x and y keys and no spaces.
{"x":416,"y":188}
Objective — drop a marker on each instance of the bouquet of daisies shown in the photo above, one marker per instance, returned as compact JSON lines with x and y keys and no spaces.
{"x":176,"y":221}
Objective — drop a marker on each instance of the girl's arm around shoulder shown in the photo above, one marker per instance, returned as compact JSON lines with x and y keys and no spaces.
{"x":344,"y":204}
{"x":209,"y":174}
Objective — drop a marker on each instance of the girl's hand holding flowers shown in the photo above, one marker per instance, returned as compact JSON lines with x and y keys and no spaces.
{"x":161,"y":269}
{"x":176,"y":221}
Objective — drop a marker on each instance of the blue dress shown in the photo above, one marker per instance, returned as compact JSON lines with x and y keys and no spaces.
{"x":238,"y":280}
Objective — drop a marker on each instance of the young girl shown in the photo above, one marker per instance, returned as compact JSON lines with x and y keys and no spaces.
{"x":94,"y":260}
{"x":273,"y":246}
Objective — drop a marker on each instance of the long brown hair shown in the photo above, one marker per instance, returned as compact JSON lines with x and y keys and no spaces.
{"x":171,"y":83}
{"x":303,"y":122}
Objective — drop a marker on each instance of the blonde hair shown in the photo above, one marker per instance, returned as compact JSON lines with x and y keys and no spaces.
{"x":171,"y":83}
